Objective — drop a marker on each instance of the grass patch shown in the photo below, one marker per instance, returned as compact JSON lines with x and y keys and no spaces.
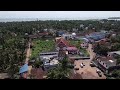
{"x":84,"y":51}
{"x":42,"y":46}
{"x":77,"y":44}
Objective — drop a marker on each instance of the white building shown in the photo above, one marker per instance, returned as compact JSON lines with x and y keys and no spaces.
{"x":50,"y":63}
{"x":69,"y":36}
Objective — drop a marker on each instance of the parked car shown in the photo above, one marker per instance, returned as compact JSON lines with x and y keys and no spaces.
{"x":76,"y":68}
{"x":99,"y":73}
{"x":92,"y":65}
{"x":81,"y":65}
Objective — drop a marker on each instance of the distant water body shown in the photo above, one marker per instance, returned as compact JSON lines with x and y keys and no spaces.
{"x":35,"y":19}
{"x":43,"y":19}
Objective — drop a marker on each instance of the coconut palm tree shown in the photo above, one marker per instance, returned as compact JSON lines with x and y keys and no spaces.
{"x":61,"y":72}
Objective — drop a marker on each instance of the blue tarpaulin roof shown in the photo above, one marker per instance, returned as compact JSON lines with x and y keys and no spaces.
{"x":23,"y":69}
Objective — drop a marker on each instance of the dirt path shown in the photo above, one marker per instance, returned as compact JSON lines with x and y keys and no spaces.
{"x":28,"y":53}
{"x":4,"y":75}
{"x":91,"y":53}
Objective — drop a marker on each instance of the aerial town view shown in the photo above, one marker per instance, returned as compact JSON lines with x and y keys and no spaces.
{"x":59,"y":45}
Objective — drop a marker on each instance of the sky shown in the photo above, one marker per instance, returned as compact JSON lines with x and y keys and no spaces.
{"x":59,"y":14}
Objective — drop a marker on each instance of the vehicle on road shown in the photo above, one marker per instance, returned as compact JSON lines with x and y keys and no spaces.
{"x":99,"y":73}
{"x":81,"y":65}
{"x":92,"y":65}
{"x":76,"y":68}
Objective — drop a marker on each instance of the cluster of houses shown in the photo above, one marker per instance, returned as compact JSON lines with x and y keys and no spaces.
{"x":63,"y":47}
{"x":38,"y":35}
{"x":51,"y":59}
{"x":97,"y":36}
{"x":107,"y":63}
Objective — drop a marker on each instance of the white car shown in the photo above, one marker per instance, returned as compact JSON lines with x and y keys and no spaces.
{"x":81,"y":65}
{"x":76,"y":68}
{"x":92,"y":65}
{"x":98,"y":71}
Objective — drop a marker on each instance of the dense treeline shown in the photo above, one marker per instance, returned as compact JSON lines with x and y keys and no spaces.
{"x":13,"y":42}
{"x":31,"y":26}
{"x":12,"y":52}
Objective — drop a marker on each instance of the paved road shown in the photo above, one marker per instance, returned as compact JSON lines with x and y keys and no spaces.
{"x":87,"y":71}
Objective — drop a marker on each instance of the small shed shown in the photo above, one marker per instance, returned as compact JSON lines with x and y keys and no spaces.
{"x":24,"y":71}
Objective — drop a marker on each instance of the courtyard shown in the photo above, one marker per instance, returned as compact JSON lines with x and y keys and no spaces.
{"x":87,"y":72}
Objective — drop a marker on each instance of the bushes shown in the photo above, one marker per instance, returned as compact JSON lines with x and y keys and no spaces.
{"x":116,"y":74}
{"x":38,"y":63}
{"x":101,"y":49}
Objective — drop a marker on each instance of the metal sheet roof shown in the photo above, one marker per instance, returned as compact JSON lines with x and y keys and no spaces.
{"x":23,"y":69}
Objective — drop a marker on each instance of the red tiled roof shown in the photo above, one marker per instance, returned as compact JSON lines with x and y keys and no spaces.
{"x":63,"y":41}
